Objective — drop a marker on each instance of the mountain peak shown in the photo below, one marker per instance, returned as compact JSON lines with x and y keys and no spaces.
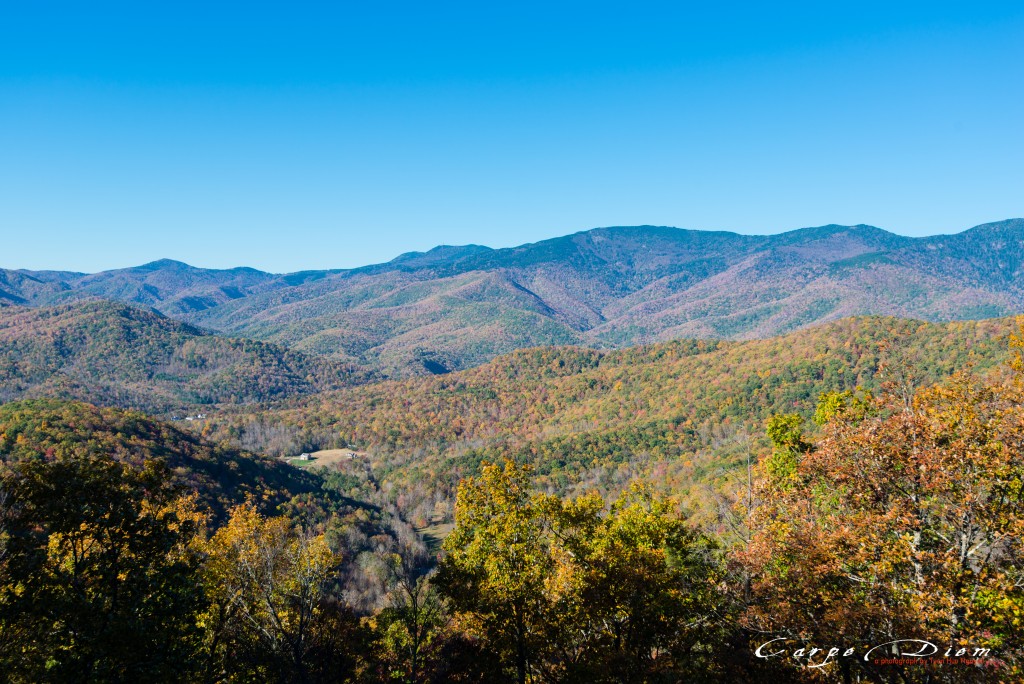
{"x":164,"y":264}
{"x":1013,"y":225}
{"x":442,"y":252}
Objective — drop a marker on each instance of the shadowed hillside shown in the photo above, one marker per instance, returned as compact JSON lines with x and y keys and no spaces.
{"x":222,"y":477}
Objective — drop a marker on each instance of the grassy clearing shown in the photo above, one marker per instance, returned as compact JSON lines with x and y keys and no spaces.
{"x":325,"y":458}
{"x":434,"y":534}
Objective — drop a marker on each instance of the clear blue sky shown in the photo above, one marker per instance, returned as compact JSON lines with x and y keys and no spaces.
{"x":295,"y":135}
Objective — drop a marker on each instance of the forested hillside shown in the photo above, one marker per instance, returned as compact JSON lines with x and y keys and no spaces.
{"x":222,"y":477}
{"x":628,"y":503}
{"x":896,"y":522}
{"x":687,"y":413}
{"x":117,"y":531}
{"x":51,"y":432}
{"x":455,"y":307}
{"x":689,"y":410}
{"x":119,"y":355}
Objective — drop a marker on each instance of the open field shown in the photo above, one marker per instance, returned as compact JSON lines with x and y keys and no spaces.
{"x":325,"y":458}
{"x":435,"y":533}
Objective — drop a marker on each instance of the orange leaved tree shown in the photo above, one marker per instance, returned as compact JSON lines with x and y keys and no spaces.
{"x":903,"y":521}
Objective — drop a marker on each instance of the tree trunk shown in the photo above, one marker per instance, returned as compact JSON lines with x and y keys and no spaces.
{"x":520,"y":649}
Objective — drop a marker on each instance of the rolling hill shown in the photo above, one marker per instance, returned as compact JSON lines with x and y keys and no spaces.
{"x":117,"y":354}
{"x":683,"y":413}
{"x":456,"y":307}
{"x":221,"y":477}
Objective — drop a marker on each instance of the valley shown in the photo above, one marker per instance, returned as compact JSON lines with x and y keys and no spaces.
{"x":618,"y":405}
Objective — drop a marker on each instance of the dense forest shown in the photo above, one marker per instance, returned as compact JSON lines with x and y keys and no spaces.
{"x":115,"y":354}
{"x":792,"y":509}
{"x":686,"y":415}
{"x":895,"y":528}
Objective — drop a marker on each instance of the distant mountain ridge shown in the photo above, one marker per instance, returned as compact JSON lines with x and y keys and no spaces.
{"x":455,"y":307}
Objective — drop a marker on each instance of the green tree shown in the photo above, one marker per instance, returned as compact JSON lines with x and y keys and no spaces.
{"x":637,"y":597}
{"x":788,"y":444}
{"x":99,"y":580}
{"x":574,"y":591}
{"x":498,"y":563}
{"x":411,"y":626}
{"x":269,"y":604}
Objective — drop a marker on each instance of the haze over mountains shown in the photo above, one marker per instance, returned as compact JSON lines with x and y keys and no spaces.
{"x":456,"y":307}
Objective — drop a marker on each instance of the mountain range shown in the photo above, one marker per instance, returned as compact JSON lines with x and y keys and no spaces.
{"x":456,"y":307}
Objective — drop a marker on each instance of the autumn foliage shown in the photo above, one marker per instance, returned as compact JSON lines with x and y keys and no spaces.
{"x":133,"y":551}
{"x":904,"y":520}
